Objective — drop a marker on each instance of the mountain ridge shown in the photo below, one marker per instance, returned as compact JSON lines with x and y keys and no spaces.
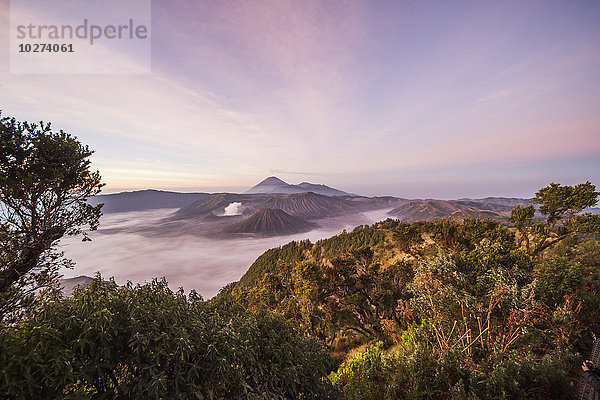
{"x":223,"y":213}
{"x":146,"y":199}
{"x":419,"y":210}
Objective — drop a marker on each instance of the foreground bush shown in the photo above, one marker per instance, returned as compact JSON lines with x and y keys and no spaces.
{"x":415,"y":372}
{"x":149,"y":342}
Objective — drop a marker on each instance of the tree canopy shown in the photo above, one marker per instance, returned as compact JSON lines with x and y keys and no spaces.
{"x":45,"y":180}
{"x":562,"y":203}
{"x":562,"y":208}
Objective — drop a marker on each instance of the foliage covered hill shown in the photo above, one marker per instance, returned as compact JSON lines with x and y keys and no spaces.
{"x":271,"y":221}
{"x":447,"y":309}
{"x":295,"y":252}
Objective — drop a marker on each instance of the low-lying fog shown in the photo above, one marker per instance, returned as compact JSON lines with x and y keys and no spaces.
{"x":188,"y":261}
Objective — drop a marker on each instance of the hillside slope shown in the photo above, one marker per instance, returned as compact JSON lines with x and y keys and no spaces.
{"x":446,"y":301}
{"x":311,"y":205}
{"x":377,"y":236}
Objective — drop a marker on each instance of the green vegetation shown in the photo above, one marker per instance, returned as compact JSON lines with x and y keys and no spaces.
{"x":147,"y":342}
{"x":447,"y":309}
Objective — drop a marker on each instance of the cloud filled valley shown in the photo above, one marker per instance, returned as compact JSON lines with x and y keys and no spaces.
{"x":123,"y":249}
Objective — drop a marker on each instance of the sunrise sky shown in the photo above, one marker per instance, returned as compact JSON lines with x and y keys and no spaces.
{"x":439,"y":99}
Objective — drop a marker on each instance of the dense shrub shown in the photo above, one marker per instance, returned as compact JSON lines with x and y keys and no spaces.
{"x":414,"y":372}
{"x":149,"y":342}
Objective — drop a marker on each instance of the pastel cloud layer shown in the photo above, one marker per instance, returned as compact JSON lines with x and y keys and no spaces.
{"x":416,"y":100}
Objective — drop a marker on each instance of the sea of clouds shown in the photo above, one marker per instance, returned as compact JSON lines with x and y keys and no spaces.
{"x":188,"y":261}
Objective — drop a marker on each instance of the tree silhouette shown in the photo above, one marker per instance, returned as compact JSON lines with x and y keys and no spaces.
{"x":45,"y":180}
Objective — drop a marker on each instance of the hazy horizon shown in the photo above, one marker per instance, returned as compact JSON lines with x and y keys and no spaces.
{"x":412,"y":99}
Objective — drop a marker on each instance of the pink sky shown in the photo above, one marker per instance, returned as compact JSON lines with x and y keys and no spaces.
{"x":403,"y":98}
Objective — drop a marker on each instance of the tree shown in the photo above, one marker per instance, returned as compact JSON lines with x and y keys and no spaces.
{"x":45,"y":180}
{"x":522,"y":217}
{"x":562,"y":203}
{"x":562,"y":207}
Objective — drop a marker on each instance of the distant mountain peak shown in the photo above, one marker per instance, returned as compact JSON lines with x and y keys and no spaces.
{"x":271,"y":180}
{"x":274,"y":185}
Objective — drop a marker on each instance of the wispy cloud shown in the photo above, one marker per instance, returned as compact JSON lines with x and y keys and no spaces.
{"x":329,"y":89}
{"x":286,"y":172}
{"x":498,"y":94}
